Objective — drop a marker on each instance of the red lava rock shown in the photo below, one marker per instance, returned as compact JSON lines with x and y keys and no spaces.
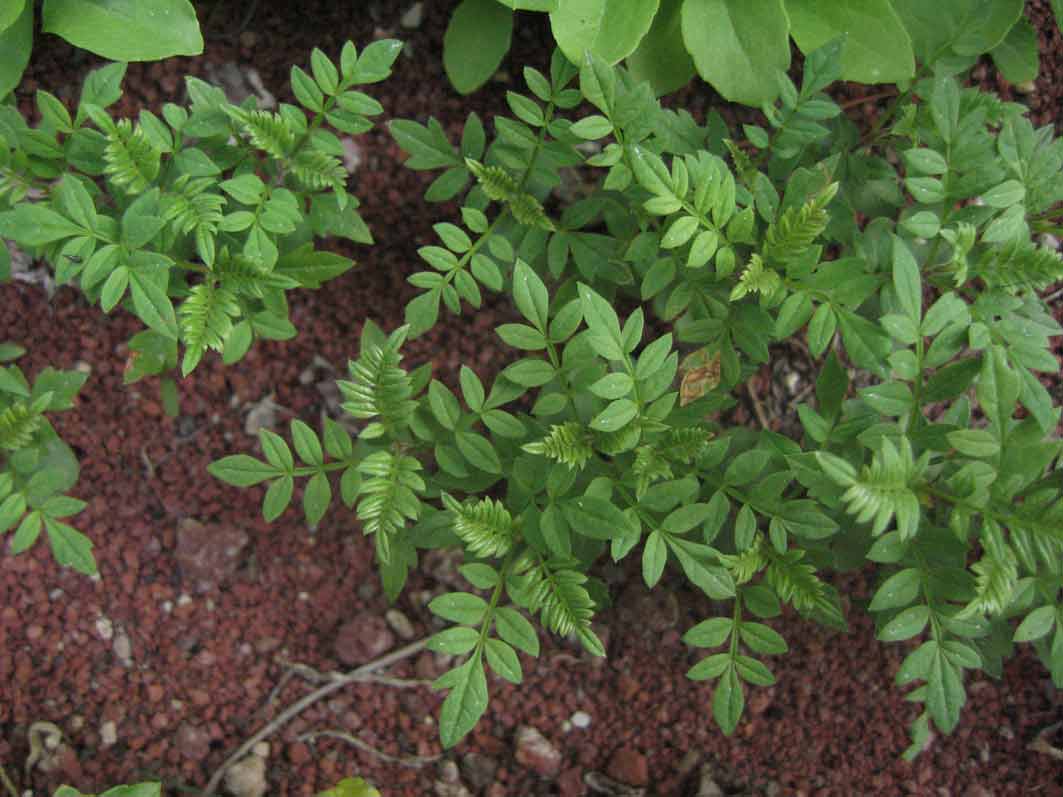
{"x":199,"y":697}
{"x":193,"y":742}
{"x":298,"y":753}
{"x":363,"y":639}
{"x":535,"y":751}
{"x":629,"y":766}
{"x":208,"y":554}
{"x":155,"y":692}
{"x":571,"y":783}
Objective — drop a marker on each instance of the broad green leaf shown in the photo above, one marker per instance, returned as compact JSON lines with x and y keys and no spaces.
{"x":240,"y":470}
{"x":351,"y":787}
{"x":661,"y":58}
{"x":728,"y":701}
{"x":898,"y":590}
{"x":709,"y":633}
{"x":478,"y":451}
{"x":514,"y":628}
{"x":654,"y":558}
{"x":876,"y":49}
{"x":317,"y":495}
{"x":16,"y":43}
{"x":611,"y":29}
{"x":10,"y":11}
{"x":466,"y":702}
{"x":738,"y":46}
{"x":36,"y":225}
{"x":906,"y":624}
{"x":1036,"y":624}
{"x":277,"y":498}
{"x":126,"y":30}
{"x":531,"y":297}
{"x":906,"y":280}
{"x":503,"y":660}
{"x":70,"y":547}
{"x":761,"y":638}
{"x":459,"y":607}
{"x":593,"y":517}
{"x":153,"y":305}
{"x":969,"y":27}
{"x":455,"y":641}
{"x":476,"y":41}
{"x":944,"y":693}
{"x":1017,"y":55}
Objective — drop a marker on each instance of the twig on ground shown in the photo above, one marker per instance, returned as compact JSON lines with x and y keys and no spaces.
{"x":412,"y":762}
{"x":1042,"y":745}
{"x":362,"y":673}
{"x":7,"y":782}
{"x":757,"y":407}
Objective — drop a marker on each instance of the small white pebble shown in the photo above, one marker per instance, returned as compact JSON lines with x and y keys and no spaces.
{"x":104,"y":627}
{"x":304,"y":596}
{"x":108,"y":734}
{"x":184,"y":599}
{"x":581,"y":719}
{"x":210,"y":604}
{"x":55,"y":594}
{"x":167,"y":606}
{"x":123,"y":648}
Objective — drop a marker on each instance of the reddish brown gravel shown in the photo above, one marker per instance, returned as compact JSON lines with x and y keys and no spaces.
{"x":166,"y":664}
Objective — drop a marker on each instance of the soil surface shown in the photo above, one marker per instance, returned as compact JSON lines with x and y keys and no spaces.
{"x":182,"y":649}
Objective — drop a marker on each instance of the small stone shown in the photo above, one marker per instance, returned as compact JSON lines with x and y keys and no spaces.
{"x":247,"y":777}
{"x":122,"y":647}
{"x":571,"y":783}
{"x":108,"y":734}
{"x":479,"y":770}
{"x":400,"y":624}
{"x":363,"y":639}
{"x":535,"y":752}
{"x":208,"y":554}
{"x":104,"y":627}
{"x":581,"y":719}
{"x":193,"y":742}
{"x":155,"y":692}
{"x":413,"y":17}
{"x":629,"y":766}
{"x":444,"y":789}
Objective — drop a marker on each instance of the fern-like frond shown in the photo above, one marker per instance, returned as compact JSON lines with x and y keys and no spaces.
{"x":206,"y":320}
{"x":756,"y":278}
{"x":500,"y":186}
{"x":18,"y":424}
{"x":649,"y":467}
{"x":555,"y":590}
{"x":388,"y":498}
{"x":787,"y":238}
{"x":882,"y":489}
{"x":795,"y":581}
{"x":132,"y":160}
{"x":569,"y":443}
{"x":685,"y":445}
{"x":380,"y":388}
{"x":269,"y":132}
{"x":485,"y":526}
{"x":1019,"y":264}
{"x":189,"y":207}
{"x":246,"y":277}
{"x":317,"y":170}
{"x":748,"y":563}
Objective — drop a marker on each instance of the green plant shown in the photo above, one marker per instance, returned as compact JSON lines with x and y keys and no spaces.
{"x":739,"y":45}
{"x":132,"y":790}
{"x":918,"y":278}
{"x":199,"y":223}
{"x":120,"y":30}
{"x":36,"y":467}
{"x":351,"y":787}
